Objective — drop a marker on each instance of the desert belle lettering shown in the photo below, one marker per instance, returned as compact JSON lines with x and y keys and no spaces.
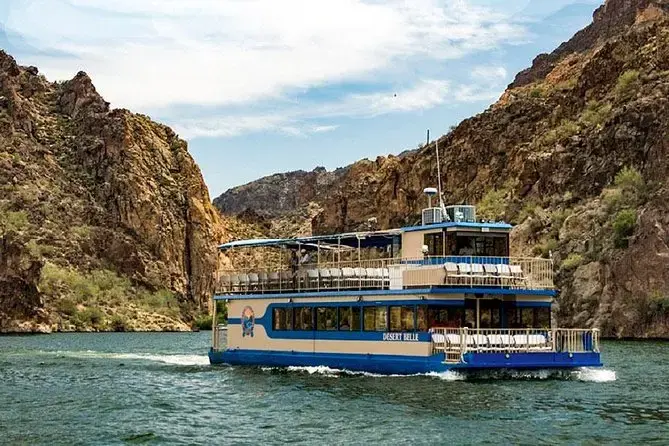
{"x":400,"y":336}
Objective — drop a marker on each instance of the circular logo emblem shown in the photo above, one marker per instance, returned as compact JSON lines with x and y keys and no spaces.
{"x":248,"y":321}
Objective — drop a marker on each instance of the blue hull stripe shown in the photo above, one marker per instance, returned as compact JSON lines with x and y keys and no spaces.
{"x":404,"y":365}
{"x":382,"y":293}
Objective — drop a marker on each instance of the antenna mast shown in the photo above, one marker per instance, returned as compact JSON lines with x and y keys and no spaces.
{"x":441,"y":197}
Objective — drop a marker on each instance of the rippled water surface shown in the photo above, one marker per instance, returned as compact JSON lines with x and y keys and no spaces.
{"x":159,"y":389}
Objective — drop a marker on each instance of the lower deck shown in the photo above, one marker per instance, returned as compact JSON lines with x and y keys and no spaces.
{"x":406,"y":333}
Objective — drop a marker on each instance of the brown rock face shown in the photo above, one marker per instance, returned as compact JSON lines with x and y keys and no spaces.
{"x":100,"y":189}
{"x":609,"y":20}
{"x":575,"y":153}
{"x":280,"y":194}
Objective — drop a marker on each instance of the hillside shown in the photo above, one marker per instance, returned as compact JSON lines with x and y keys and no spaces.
{"x":105,"y":221}
{"x":575,"y":154}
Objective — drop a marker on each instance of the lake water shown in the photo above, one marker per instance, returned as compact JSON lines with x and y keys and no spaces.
{"x":154,"y":388}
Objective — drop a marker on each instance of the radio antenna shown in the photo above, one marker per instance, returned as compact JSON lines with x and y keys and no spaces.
{"x":441,"y":197}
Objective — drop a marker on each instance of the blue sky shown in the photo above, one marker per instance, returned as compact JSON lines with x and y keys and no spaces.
{"x":265,"y":86}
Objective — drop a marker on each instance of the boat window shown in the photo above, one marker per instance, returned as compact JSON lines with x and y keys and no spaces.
{"x":326,"y":318}
{"x":527,"y":317}
{"x":543,"y":317}
{"x":490,"y":245}
{"x":283,"y":319}
{"x":375,"y":318}
{"x":408,"y":314}
{"x":470,"y":317}
{"x":345,"y":318}
{"x":395,"y":318}
{"x":434,"y":243}
{"x":421,"y":317}
{"x":355,"y":318}
{"x":303,"y":318}
{"x":444,"y":317}
{"x":485,"y":319}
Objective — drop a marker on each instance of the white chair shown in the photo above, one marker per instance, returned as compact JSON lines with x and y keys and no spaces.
{"x":504,"y":273}
{"x":516,"y":273}
{"x":491,"y":273}
{"x":335,"y":277}
{"x":451,"y":273}
{"x":244,"y":282}
{"x":253,"y":281}
{"x":326,"y":278}
{"x":348,"y":276}
{"x":311,"y":279}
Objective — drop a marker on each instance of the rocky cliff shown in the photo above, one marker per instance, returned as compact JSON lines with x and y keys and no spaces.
{"x":574,"y":153}
{"x":105,"y":221}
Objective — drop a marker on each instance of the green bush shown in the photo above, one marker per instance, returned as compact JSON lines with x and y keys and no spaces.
{"x":203,"y":322}
{"x":11,"y":221}
{"x":624,"y":224}
{"x":91,"y":316}
{"x":545,"y":248}
{"x":66,"y":307}
{"x":492,"y":205}
{"x":595,"y":114}
{"x":537,"y":92}
{"x":630,"y":179}
{"x":626,"y":82}
{"x":118,"y":323}
{"x":565,"y":130}
{"x":572,"y":261}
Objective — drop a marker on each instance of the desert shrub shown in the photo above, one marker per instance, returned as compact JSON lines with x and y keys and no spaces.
{"x":66,"y":307}
{"x":626,"y":83}
{"x":544,"y":249}
{"x":92,"y":316}
{"x":492,"y":205}
{"x":118,"y":323}
{"x":572,"y":261}
{"x":628,"y":190}
{"x":13,"y":221}
{"x":566,"y":129}
{"x":595,"y":114}
{"x":537,"y":92}
{"x":630,"y":179}
{"x":624,"y":224}
{"x":566,"y":85}
{"x":203,"y":322}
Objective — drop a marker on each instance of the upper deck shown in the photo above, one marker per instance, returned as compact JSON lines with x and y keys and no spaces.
{"x":451,"y":255}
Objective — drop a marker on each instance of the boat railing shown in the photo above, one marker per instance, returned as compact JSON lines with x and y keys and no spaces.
{"x":456,"y":342}
{"x":396,"y":273}
{"x":218,"y":343}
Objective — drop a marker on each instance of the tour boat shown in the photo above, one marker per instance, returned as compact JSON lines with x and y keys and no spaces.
{"x":444,"y":294}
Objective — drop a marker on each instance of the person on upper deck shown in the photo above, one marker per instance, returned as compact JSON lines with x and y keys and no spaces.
{"x":306,"y":257}
{"x":294,"y":261}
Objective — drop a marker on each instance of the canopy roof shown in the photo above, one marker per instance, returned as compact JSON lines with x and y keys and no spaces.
{"x":347,"y":240}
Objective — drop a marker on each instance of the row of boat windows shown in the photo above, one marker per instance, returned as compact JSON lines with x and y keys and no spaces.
{"x":403,"y":318}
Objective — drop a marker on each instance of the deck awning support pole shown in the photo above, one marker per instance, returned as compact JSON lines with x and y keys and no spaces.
{"x":478,"y":314}
{"x":339,"y":251}
{"x":214,"y":327}
{"x":358,"y":237}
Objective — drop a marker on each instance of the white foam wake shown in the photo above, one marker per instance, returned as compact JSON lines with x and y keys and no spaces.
{"x":594,"y":375}
{"x":166,"y":359}
{"x":450,"y":375}
{"x":173,"y":359}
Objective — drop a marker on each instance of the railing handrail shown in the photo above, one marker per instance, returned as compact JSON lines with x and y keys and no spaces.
{"x":459,"y":341}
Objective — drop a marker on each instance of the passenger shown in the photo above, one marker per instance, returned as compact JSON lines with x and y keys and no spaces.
{"x":294,"y":262}
{"x":306,"y":257}
{"x":294,"y":265}
{"x":344,"y":325}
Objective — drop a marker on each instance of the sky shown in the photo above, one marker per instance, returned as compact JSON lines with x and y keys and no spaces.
{"x":264,"y":86}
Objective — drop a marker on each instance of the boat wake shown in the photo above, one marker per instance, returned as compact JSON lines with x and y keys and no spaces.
{"x":583,"y":374}
{"x":172,"y":359}
{"x":336,"y":373}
